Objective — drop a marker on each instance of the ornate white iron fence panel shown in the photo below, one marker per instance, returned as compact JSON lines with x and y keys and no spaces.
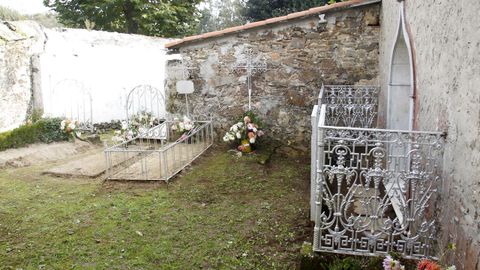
{"x":75,"y":102}
{"x":350,"y":105}
{"x":341,"y":105}
{"x":376,"y":191}
{"x":145,"y":99}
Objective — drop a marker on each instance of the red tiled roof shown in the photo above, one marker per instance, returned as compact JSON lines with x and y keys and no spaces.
{"x":312,"y":11}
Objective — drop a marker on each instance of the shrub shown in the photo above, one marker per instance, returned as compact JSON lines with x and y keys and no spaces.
{"x":45,"y":130}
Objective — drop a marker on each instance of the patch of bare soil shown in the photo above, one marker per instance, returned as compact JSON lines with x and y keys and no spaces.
{"x":91,"y":165}
{"x":41,"y":153}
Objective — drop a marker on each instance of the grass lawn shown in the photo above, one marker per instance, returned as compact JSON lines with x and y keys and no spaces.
{"x":223,"y":213}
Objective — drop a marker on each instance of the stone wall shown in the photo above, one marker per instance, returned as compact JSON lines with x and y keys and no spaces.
{"x":300,"y":55}
{"x":46,"y":68}
{"x":20,"y":44}
{"x":446,"y":44}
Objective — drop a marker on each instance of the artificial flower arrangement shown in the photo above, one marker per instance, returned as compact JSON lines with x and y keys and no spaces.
{"x":391,"y":264}
{"x":245,"y":132}
{"x":140,"y":123}
{"x":70,"y":128}
{"x":183,"y":127}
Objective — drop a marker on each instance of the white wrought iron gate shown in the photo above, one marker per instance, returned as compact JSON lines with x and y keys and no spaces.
{"x":375,"y":189}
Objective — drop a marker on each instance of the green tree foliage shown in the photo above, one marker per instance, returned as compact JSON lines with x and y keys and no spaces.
{"x":167,"y":18}
{"x":220,"y":14}
{"x":257,"y":10}
{"x":7,"y":14}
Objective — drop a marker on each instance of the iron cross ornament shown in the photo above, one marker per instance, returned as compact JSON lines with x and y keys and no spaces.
{"x":251,"y":65}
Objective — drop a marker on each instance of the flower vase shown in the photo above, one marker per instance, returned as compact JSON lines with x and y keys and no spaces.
{"x":245,"y":146}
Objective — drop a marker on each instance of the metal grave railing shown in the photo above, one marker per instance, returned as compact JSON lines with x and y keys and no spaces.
{"x":350,"y":106}
{"x":340,"y":105}
{"x":375,"y":190}
{"x":158,"y":153}
{"x":79,"y":107}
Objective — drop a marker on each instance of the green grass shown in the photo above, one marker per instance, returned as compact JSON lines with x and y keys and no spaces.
{"x":225,"y":213}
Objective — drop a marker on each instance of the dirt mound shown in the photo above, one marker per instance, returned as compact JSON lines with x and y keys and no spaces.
{"x":41,"y":153}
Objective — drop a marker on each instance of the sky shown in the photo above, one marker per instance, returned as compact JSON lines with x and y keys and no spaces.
{"x":25,"y":6}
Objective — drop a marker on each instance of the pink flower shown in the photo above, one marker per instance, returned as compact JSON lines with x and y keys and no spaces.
{"x":390,"y":264}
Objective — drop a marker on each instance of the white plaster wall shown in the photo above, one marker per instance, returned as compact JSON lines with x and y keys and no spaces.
{"x":446,"y":45}
{"x":108,"y":65}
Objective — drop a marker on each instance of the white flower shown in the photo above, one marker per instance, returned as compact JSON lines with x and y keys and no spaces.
{"x":226,"y":138}
{"x":174,"y":127}
{"x":240,"y":124}
{"x":62,"y":125}
{"x":124,"y":125}
{"x":188,"y":126}
{"x":453,"y":267}
{"x":231,"y":136}
{"x":234,"y":128}
{"x":71,"y":125}
{"x":254,"y":129}
{"x":239,"y":135}
{"x":252,"y":140}
{"x":186,"y":119}
{"x":78,"y":134}
{"x":181,"y":126}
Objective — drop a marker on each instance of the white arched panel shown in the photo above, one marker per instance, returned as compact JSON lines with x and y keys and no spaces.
{"x":400,"y":85}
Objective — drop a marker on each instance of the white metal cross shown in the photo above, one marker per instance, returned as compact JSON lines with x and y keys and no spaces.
{"x":185,"y":69}
{"x":251,"y":66}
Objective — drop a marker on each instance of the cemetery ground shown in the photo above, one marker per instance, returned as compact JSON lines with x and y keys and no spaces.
{"x":223,"y":212}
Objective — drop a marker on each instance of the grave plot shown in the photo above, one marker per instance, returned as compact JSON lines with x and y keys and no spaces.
{"x":156,"y":148}
{"x":152,"y":157}
{"x":73,"y":101}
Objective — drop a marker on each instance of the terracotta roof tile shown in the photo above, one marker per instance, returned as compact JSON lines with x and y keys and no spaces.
{"x":247,"y":26}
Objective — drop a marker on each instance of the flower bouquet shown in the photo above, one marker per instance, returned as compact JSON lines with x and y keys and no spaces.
{"x":390,"y":263}
{"x":183,"y":127}
{"x":70,"y":128}
{"x":245,"y":133}
{"x":139,"y":124}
